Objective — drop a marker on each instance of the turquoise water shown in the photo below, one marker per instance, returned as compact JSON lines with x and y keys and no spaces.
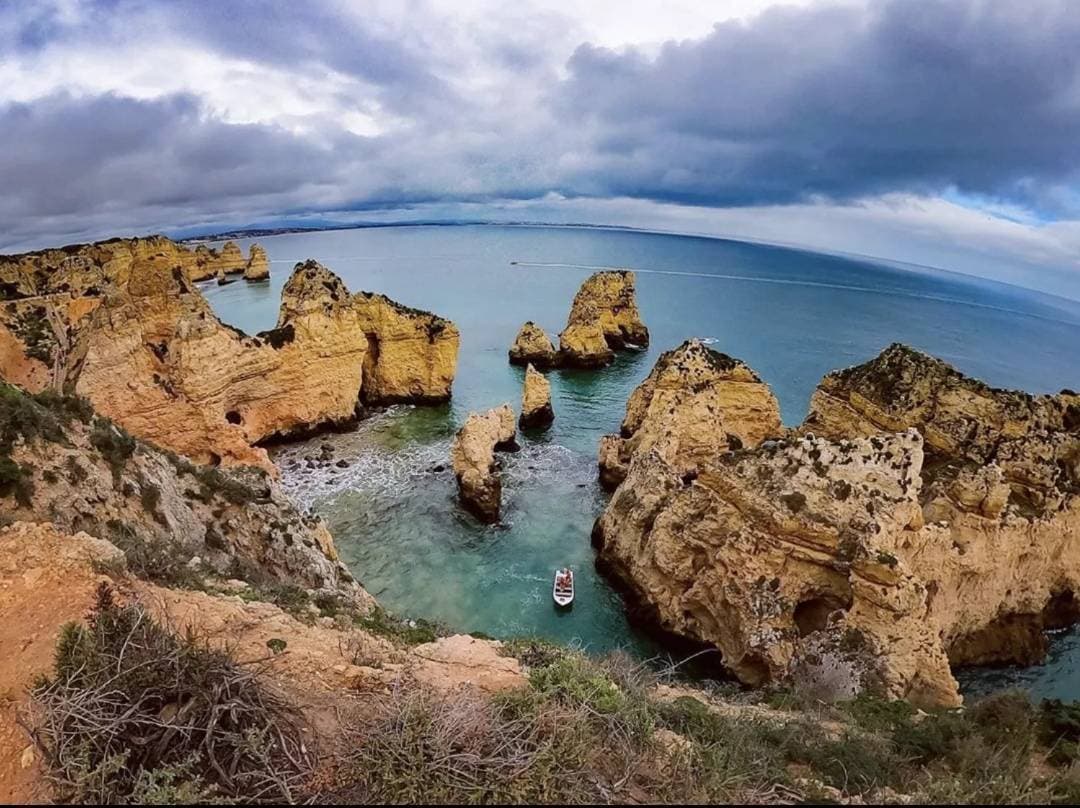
{"x":792,"y":315}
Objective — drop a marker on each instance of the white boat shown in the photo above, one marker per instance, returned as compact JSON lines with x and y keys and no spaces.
{"x":563,"y":589}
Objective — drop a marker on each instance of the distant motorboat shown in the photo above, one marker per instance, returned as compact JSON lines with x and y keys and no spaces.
{"x":562,"y":591}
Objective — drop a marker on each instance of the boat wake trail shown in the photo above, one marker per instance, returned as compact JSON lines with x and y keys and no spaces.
{"x":845,"y":287}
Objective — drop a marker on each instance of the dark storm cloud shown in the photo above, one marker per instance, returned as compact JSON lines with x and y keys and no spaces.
{"x":838,"y":103}
{"x":844,"y":103}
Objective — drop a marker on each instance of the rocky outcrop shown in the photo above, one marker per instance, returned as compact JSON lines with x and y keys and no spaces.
{"x":411,"y":354}
{"x":61,"y":463}
{"x":787,"y":559}
{"x":258,"y":265}
{"x":532,"y":346}
{"x":696,"y":404}
{"x":145,"y":347}
{"x":920,"y":520}
{"x":473,"y":459}
{"x":604,"y":318}
{"x":536,"y":400}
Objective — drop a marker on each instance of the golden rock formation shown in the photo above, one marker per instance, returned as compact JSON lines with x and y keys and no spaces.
{"x":533,"y":346}
{"x":258,"y":265}
{"x":921,"y":520}
{"x":411,"y":354}
{"x":131,"y":332}
{"x":474,"y":463}
{"x":536,"y":400}
{"x":695,"y":404}
{"x":604,"y":318}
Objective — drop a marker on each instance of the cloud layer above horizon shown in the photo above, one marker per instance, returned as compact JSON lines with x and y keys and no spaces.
{"x":942,"y":131}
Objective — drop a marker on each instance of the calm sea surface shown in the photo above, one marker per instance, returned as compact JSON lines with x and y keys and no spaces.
{"x":792,"y":315}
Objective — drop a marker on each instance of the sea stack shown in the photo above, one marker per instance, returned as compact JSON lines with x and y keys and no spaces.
{"x":604,"y":318}
{"x":918,"y":520}
{"x":536,"y":409}
{"x":533,"y":346}
{"x":473,"y":459}
{"x":258,"y":265}
{"x":696,"y":403}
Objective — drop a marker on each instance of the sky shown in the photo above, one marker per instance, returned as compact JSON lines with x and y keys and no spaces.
{"x":939,"y":132}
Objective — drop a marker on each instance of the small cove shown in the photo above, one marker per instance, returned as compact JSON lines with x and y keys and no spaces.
{"x":792,"y":315}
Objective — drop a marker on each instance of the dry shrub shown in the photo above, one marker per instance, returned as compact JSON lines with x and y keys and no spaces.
{"x":416,"y":746}
{"x":137,"y":713}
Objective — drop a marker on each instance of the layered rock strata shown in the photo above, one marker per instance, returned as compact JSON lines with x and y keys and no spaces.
{"x":536,"y":411}
{"x":475,"y":466}
{"x":145,"y":347}
{"x":696,"y":403}
{"x":920,"y":519}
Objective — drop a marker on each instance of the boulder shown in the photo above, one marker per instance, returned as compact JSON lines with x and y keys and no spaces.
{"x":603,"y":318}
{"x":696,"y":403}
{"x":473,"y":458}
{"x":258,"y":265}
{"x":533,"y":346}
{"x":536,"y":400}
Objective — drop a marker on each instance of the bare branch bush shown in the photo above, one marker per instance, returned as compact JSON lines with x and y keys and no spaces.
{"x":135,"y":712}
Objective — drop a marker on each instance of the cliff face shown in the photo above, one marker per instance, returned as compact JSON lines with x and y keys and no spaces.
{"x":604,"y":318}
{"x":411,"y":354}
{"x":158,"y":361}
{"x":145,"y":347}
{"x":61,"y":463}
{"x":473,"y":458}
{"x":695,"y":404}
{"x":85,"y":268}
{"x":921,"y":519}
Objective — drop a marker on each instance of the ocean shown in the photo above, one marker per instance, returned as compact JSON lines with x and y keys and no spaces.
{"x":792,"y":315}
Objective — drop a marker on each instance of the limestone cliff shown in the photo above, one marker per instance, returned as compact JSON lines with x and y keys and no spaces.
{"x":473,"y":459}
{"x":695,"y":404}
{"x":536,"y":408}
{"x":61,"y":463}
{"x":258,"y":265}
{"x":603,"y":318}
{"x":411,"y":354}
{"x":921,"y":519}
{"x":533,"y":346}
{"x":145,"y":347}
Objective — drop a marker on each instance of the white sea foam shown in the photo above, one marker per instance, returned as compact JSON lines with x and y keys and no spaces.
{"x":389,"y":474}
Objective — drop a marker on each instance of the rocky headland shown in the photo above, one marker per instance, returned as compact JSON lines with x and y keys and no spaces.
{"x":475,"y":465}
{"x":918,"y":519}
{"x":695,"y":404}
{"x":130,"y":331}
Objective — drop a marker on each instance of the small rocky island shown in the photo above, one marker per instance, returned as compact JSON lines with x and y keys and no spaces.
{"x":603,"y":319}
{"x":475,"y":465}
